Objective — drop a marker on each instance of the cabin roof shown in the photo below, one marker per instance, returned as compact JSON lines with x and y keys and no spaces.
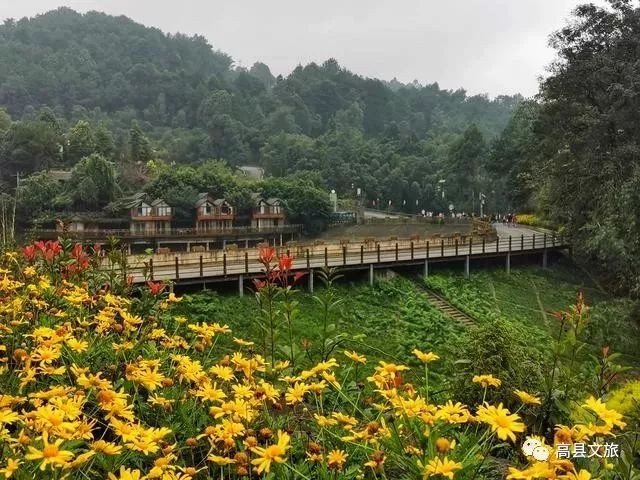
{"x":258,"y":199}
{"x":141,"y":199}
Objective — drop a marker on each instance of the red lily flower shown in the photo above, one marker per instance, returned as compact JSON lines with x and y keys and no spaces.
{"x":298,"y":276}
{"x":156,"y":288}
{"x":266,"y":255}
{"x":260,"y":284}
{"x":284,"y":262}
{"x":49,"y":255}
{"x":76,"y":252}
{"x":29,"y":252}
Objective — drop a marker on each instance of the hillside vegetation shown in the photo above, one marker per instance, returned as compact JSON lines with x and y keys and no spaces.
{"x":75,"y":84}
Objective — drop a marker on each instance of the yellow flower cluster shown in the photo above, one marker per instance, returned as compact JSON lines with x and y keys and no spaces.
{"x":99,"y":385}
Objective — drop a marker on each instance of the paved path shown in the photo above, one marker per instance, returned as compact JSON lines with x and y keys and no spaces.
{"x":370,"y":213}
{"x":516,"y":231}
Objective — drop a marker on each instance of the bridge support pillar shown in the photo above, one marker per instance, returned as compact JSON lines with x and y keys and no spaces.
{"x":241,"y":285}
{"x":544,"y":258}
{"x":246,"y":243}
{"x":426,"y":268}
{"x":371,"y":274}
{"x":508,"y":263}
{"x":188,"y":247}
{"x":466,"y":266}
{"x":311,"y":280}
{"x":280,"y":239}
{"x":224,"y":244}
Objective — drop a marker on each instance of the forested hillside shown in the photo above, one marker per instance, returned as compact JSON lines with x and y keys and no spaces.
{"x":393,"y":141}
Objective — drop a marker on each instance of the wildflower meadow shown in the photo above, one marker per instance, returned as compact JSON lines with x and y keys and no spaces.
{"x":101,"y":379}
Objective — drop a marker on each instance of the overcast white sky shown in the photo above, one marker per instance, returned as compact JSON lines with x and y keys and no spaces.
{"x":486,"y":46}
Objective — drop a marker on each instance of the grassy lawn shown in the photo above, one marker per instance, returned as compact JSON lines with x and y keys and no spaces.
{"x":529,"y":295}
{"x":392,"y":318}
{"x":385,"y":321}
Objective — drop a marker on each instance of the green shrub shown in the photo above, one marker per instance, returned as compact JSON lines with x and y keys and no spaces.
{"x":534,"y":221}
{"x":499,"y":348}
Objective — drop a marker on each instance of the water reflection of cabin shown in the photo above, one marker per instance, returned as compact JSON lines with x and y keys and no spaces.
{"x":150,"y":216}
{"x":267,"y":213}
{"x":213,"y":214}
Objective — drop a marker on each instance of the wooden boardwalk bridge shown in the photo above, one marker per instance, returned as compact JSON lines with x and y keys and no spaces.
{"x":243,"y":264}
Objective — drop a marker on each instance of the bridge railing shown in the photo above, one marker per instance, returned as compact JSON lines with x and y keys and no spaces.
{"x":246,"y":261}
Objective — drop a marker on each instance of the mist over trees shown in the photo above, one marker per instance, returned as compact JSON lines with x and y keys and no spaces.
{"x":79,"y":84}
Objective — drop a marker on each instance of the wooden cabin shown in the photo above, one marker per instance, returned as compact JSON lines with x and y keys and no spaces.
{"x":268,"y":213}
{"x":150,"y":216}
{"x":213,"y":214}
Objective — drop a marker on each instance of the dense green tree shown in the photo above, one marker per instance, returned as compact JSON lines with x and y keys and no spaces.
{"x":140,"y":150}
{"x":93,"y":182}
{"x":588,"y":138}
{"x":511,"y":159}
{"x":29,"y":146}
{"x":466,"y":157}
{"x":37,"y":194}
{"x":5,"y":121}
{"x":80,"y":142}
{"x":262,"y":72}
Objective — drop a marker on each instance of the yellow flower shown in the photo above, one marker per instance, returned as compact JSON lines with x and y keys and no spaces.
{"x":11,"y":466}
{"x":437,"y":466}
{"x":356,"y":357}
{"x":425,"y":357}
{"x":126,"y":474}
{"x":173,"y":299}
{"x":78,"y":346}
{"x":107,"y":448}
{"x":296,"y":393}
{"x":281,"y":365}
{"x":527,"y":398}
{"x":8,"y":416}
{"x":242,"y":343}
{"x":502,"y":422}
{"x":29,"y":271}
{"x":336,"y":459}
{"x":222,"y":372}
{"x":323,"y":421}
{"x":487,"y":381}
{"x":610,"y":417}
{"x":453,"y":412}
{"x":272,"y":453}
{"x":581,"y":475}
{"x":539,"y":470}
{"x":50,"y":453}
{"x":221,"y":460}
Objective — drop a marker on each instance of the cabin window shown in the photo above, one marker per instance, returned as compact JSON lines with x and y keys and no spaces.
{"x":144,"y":211}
